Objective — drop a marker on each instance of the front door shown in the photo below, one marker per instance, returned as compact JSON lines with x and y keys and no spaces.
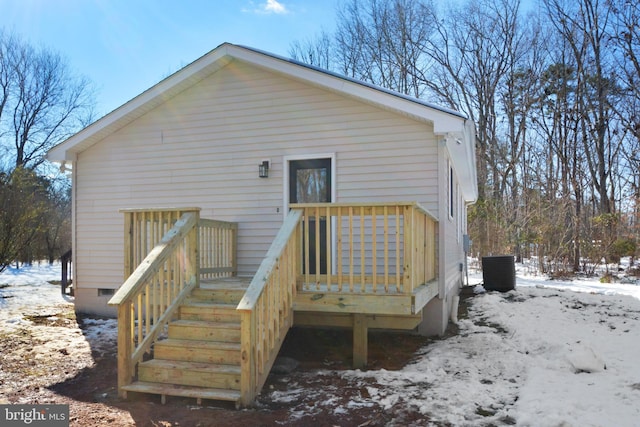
{"x":310,"y":182}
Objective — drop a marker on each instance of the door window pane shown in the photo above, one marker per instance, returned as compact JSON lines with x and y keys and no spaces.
{"x":311,"y":185}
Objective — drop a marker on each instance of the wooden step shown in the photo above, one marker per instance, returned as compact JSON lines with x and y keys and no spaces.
{"x":204,"y":331}
{"x":190,"y":373}
{"x":226,"y":282}
{"x":217,"y":295}
{"x":198,"y":351}
{"x":184,"y":391}
{"x":209,"y":312}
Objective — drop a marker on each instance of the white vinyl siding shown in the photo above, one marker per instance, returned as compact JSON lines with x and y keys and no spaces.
{"x":202,"y":148}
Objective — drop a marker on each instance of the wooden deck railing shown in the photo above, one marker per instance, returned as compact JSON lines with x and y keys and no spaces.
{"x":385,"y":248}
{"x":267,"y":307}
{"x":149,"y":297}
{"x":367,"y":248}
{"x":218,"y":241}
{"x":143,"y":229}
{"x":166,"y":251}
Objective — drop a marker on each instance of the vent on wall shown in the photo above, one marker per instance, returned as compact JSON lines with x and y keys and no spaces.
{"x":106,"y":292}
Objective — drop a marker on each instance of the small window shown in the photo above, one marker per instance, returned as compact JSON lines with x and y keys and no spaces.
{"x":451,"y":192}
{"x":102,"y":292}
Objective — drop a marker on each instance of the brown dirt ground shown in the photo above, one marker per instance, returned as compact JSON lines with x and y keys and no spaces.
{"x":88,"y":383}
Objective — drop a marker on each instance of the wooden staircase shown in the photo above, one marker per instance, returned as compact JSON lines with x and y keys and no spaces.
{"x":200,"y":358}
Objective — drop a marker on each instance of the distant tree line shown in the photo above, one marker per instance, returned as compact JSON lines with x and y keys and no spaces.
{"x":41,"y":103}
{"x":554,"y":91}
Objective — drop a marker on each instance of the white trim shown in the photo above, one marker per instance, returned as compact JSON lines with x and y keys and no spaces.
{"x":458,"y":213}
{"x":285,"y":183}
{"x":74,"y":221}
{"x":285,"y":175}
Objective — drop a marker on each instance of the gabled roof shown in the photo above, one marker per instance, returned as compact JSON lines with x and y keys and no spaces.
{"x":446,"y":122}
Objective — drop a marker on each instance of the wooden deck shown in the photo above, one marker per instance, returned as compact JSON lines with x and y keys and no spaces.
{"x":328,"y":299}
{"x":325,"y":306}
{"x":224,"y":331}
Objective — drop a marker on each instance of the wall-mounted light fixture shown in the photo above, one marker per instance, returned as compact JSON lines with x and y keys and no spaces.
{"x":263,"y":169}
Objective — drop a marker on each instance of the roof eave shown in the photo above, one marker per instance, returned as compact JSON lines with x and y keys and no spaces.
{"x":461,"y":146}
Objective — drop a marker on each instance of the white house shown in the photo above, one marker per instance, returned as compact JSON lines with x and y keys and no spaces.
{"x":206,"y":136}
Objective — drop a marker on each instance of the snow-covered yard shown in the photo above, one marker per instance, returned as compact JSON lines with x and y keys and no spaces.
{"x":534,"y":357}
{"x":550,"y":353}
{"x":26,"y":293}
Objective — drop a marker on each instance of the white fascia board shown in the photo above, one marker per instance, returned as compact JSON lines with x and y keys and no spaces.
{"x":461,"y":148}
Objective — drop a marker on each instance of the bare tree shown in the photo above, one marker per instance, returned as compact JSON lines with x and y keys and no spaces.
{"x":380,"y":41}
{"x":23,"y":201}
{"x":41,"y":101}
{"x":477,"y":48}
{"x":554,"y":96}
{"x":626,"y":39}
{"x":317,"y":52}
{"x":583,"y":26}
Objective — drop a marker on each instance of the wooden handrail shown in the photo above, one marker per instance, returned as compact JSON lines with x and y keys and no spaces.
{"x":367,"y":206}
{"x":151,"y":295}
{"x":266,"y":308}
{"x":143,"y":229}
{"x":153,"y":260}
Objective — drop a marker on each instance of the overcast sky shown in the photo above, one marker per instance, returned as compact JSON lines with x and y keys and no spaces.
{"x":126,"y":46}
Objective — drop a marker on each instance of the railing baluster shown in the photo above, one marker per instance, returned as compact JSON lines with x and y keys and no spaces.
{"x":339,"y":247}
{"x":307,"y":268}
{"x":351,"y":254}
{"x":328,"y":254}
{"x":219,"y":247}
{"x":147,"y":311}
{"x":374,"y":250}
{"x":317,"y":246}
{"x":139,"y":318}
{"x":399,"y":265}
{"x":385,"y":213}
{"x":135,"y":257}
{"x":362,"y":251}
{"x":128,"y":245}
{"x":144,"y":249}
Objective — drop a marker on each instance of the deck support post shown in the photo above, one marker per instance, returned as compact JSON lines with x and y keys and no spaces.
{"x":360,"y":341}
{"x":125,"y":347}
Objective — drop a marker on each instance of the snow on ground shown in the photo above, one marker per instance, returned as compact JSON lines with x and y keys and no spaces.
{"x":537,"y":356}
{"x":549,"y":353}
{"x":25,"y":292}
{"x":27,"y":289}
